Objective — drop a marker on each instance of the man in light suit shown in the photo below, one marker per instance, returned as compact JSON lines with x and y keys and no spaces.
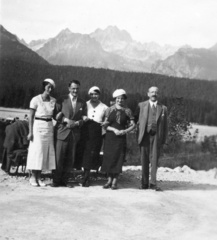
{"x":152,"y":134}
{"x":70,"y":112}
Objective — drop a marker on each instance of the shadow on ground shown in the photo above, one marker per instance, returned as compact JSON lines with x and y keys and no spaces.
{"x":127,"y":180}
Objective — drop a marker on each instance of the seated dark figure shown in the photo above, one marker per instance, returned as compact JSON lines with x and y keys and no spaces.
{"x":14,"y":144}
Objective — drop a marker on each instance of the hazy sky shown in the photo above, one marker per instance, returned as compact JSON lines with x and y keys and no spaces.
{"x":175,"y":22}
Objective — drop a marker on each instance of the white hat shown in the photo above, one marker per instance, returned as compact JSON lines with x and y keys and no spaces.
{"x":93,"y":89}
{"x":118,"y":92}
{"x":50,"y":81}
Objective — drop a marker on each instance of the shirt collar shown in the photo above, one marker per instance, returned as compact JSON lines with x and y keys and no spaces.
{"x":73,"y":99}
{"x":153,"y":103}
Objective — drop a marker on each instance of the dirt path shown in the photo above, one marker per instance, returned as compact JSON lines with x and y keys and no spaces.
{"x":186,"y":209}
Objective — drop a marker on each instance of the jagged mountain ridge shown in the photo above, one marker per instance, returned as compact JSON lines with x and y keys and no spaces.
{"x":77,"y":49}
{"x":190,"y":63}
{"x":114,"y":49}
{"x":112,"y":39}
{"x":120,"y":41}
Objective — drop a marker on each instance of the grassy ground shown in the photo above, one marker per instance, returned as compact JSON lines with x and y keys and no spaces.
{"x":189,"y":153}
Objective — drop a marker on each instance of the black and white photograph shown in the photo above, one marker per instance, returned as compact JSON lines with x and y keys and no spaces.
{"x":108,"y":119}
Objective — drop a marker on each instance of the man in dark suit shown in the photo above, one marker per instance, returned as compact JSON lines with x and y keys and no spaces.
{"x":152,"y":134}
{"x":70,"y":112}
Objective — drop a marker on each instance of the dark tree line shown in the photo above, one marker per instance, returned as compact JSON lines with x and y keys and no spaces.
{"x":20,"y":81}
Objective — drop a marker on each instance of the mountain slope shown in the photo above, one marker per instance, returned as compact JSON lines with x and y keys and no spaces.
{"x":189,"y":63}
{"x":120,"y":42}
{"x":77,"y":49}
{"x":115,"y":49}
{"x":110,"y":48}
{"x":69,"y":48}
{"x":37,"y":44}
{"x":11,"y":48}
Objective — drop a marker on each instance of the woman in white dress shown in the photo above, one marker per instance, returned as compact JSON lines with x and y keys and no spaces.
{"x":41,"y":155}
{"x":93,"y":133}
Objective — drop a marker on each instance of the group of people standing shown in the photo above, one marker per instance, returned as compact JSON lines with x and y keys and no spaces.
{"x":54,"y":147}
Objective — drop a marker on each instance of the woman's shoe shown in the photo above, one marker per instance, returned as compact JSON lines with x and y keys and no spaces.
{"x":86,"y":183}
{"x":114,"y":187}
{"x":114,"y":184}
{"x":107,"y":185}
{"x":33,"y":182}
{"x":41,"y":183}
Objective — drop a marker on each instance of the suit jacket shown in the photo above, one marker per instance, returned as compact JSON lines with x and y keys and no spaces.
{"x":64,"y":105}
{"x":141,"y":115}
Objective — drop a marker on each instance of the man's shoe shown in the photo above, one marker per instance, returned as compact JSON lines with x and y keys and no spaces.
{"x":86,"y":183}
{"x":55,"y":184}
{"x":143,"y":187}
{"x":154,"y":187}
{"x":69,"y":185}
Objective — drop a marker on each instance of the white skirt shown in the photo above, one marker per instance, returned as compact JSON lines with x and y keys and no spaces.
{"x":41,"y":154}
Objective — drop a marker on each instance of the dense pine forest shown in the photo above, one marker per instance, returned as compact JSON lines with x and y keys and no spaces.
{"x":20,"y":81}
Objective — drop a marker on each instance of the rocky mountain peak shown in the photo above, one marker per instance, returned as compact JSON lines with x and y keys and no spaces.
{"x":185,"y":48}
{"x":112,"y":38}
{"x":64,"y":32}
{"x":119,"y":34}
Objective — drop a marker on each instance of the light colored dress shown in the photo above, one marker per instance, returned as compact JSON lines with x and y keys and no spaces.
{"x":41,"y":155}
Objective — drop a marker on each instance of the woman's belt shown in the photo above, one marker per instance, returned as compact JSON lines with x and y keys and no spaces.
{"x":44,"y":119}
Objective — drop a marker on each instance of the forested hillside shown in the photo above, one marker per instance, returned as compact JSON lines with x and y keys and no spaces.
{"x":20,"y":81}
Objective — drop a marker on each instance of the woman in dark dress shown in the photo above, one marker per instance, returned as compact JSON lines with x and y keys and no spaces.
{"x":92,"y":130}
{"x":120,"y":121}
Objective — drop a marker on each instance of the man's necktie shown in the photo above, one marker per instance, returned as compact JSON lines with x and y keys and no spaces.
{"x":154,"y":122}
{"x":73,"y":104}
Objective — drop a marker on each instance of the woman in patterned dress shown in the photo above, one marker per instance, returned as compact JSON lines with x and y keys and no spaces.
{"x":41,"y":155}
{"x":120,"y":121}
{"x":93,"y":133}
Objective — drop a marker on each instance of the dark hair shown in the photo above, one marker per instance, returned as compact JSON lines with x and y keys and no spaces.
{"x":153,"y":87}
{"x":74,"y":81}
{"x":44,"y":84}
